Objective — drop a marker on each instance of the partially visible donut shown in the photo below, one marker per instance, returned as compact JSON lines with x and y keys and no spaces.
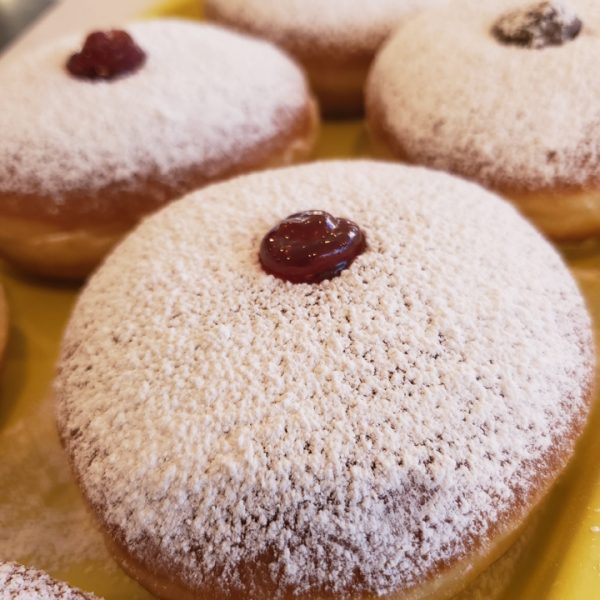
{"x":82,"y":161}
{"x":386,"y":432}
{"x":334,"y":41}
{"x":24,"y":583}
{"x":523,"y":118}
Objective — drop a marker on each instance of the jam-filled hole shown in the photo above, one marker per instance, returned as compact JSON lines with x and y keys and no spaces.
{"x":311,"y":246}
{"x":106,"y":55}
{"x":548,"y":23}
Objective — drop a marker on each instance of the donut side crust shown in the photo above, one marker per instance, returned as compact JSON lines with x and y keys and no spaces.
{"x":563,"y":213}
{"x":69,"y":240}
{"x":444,"y":581}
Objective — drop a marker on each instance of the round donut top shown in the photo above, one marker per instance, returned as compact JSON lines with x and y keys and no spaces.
{"x":353,"y":435}
{"x":204,"y":95}
{"x":311,"y":27}
{"x":450,"y":95}
{"x":22,"y":583}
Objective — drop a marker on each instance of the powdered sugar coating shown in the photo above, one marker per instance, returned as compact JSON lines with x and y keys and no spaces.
{"x":450,"y":95}
{"x":21,"y":583}
{"x":352,"y":25}
{"x":204,"y":96}
{"x":366,"y":430}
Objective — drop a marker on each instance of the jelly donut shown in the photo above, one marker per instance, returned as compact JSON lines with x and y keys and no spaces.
{"x":504,"y":93}
{"x":94,"y":138}
{"x":334,"y":41}
{"x":23,"y":583}
{"x":383,"y":431}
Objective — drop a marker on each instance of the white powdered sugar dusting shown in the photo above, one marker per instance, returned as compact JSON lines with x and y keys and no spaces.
{"x":21,"y":583}
{"x":353,"y":24}
{"x":349,"y":436}
{"x":456,"y":98}
{"x":204,"y":95}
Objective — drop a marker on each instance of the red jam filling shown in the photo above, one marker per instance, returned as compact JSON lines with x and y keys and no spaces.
{"x":106,"y":55}
{"x":311,"y":246}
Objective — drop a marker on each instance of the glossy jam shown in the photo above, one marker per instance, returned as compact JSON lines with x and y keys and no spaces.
{"x":547,"y":23}
{"x":311,"y":246}
{"x":106,"y":55}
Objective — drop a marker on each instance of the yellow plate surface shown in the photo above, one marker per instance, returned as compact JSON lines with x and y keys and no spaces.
{"x":42,"y":518}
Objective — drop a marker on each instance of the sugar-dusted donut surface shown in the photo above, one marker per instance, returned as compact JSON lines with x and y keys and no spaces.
{"x":445,"y":92}
{"x":345,"y":29}
{"x":334,"y":41}
{"x":22,"y":583}
{"x":243,"y":437}
{"x":205,"y":103}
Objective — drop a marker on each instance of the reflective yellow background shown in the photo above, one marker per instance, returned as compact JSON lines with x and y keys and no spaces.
{"x":43,"y":521}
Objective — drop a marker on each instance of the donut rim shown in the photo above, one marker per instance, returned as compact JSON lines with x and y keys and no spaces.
{"x":446,"y":579}
{"x":125,"y":204}
{"x":312,"y":50}
{"x":57,"y":245}
{"x":563,"y":213}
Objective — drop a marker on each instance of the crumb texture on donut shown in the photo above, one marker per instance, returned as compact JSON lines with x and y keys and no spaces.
{"x":22,"y":583}
{"x":204,"y":98}
{"x":341,"y":29}
{"x":248,"y":436}
{"x":446,"y":93}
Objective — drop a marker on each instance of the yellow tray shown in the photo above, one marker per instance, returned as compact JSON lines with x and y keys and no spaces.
{"x":43,"y":521}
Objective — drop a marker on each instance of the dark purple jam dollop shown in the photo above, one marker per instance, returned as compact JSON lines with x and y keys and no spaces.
{"x":548,"y":23}
{"x":106,"y":55}
{"x":311,"y":246}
